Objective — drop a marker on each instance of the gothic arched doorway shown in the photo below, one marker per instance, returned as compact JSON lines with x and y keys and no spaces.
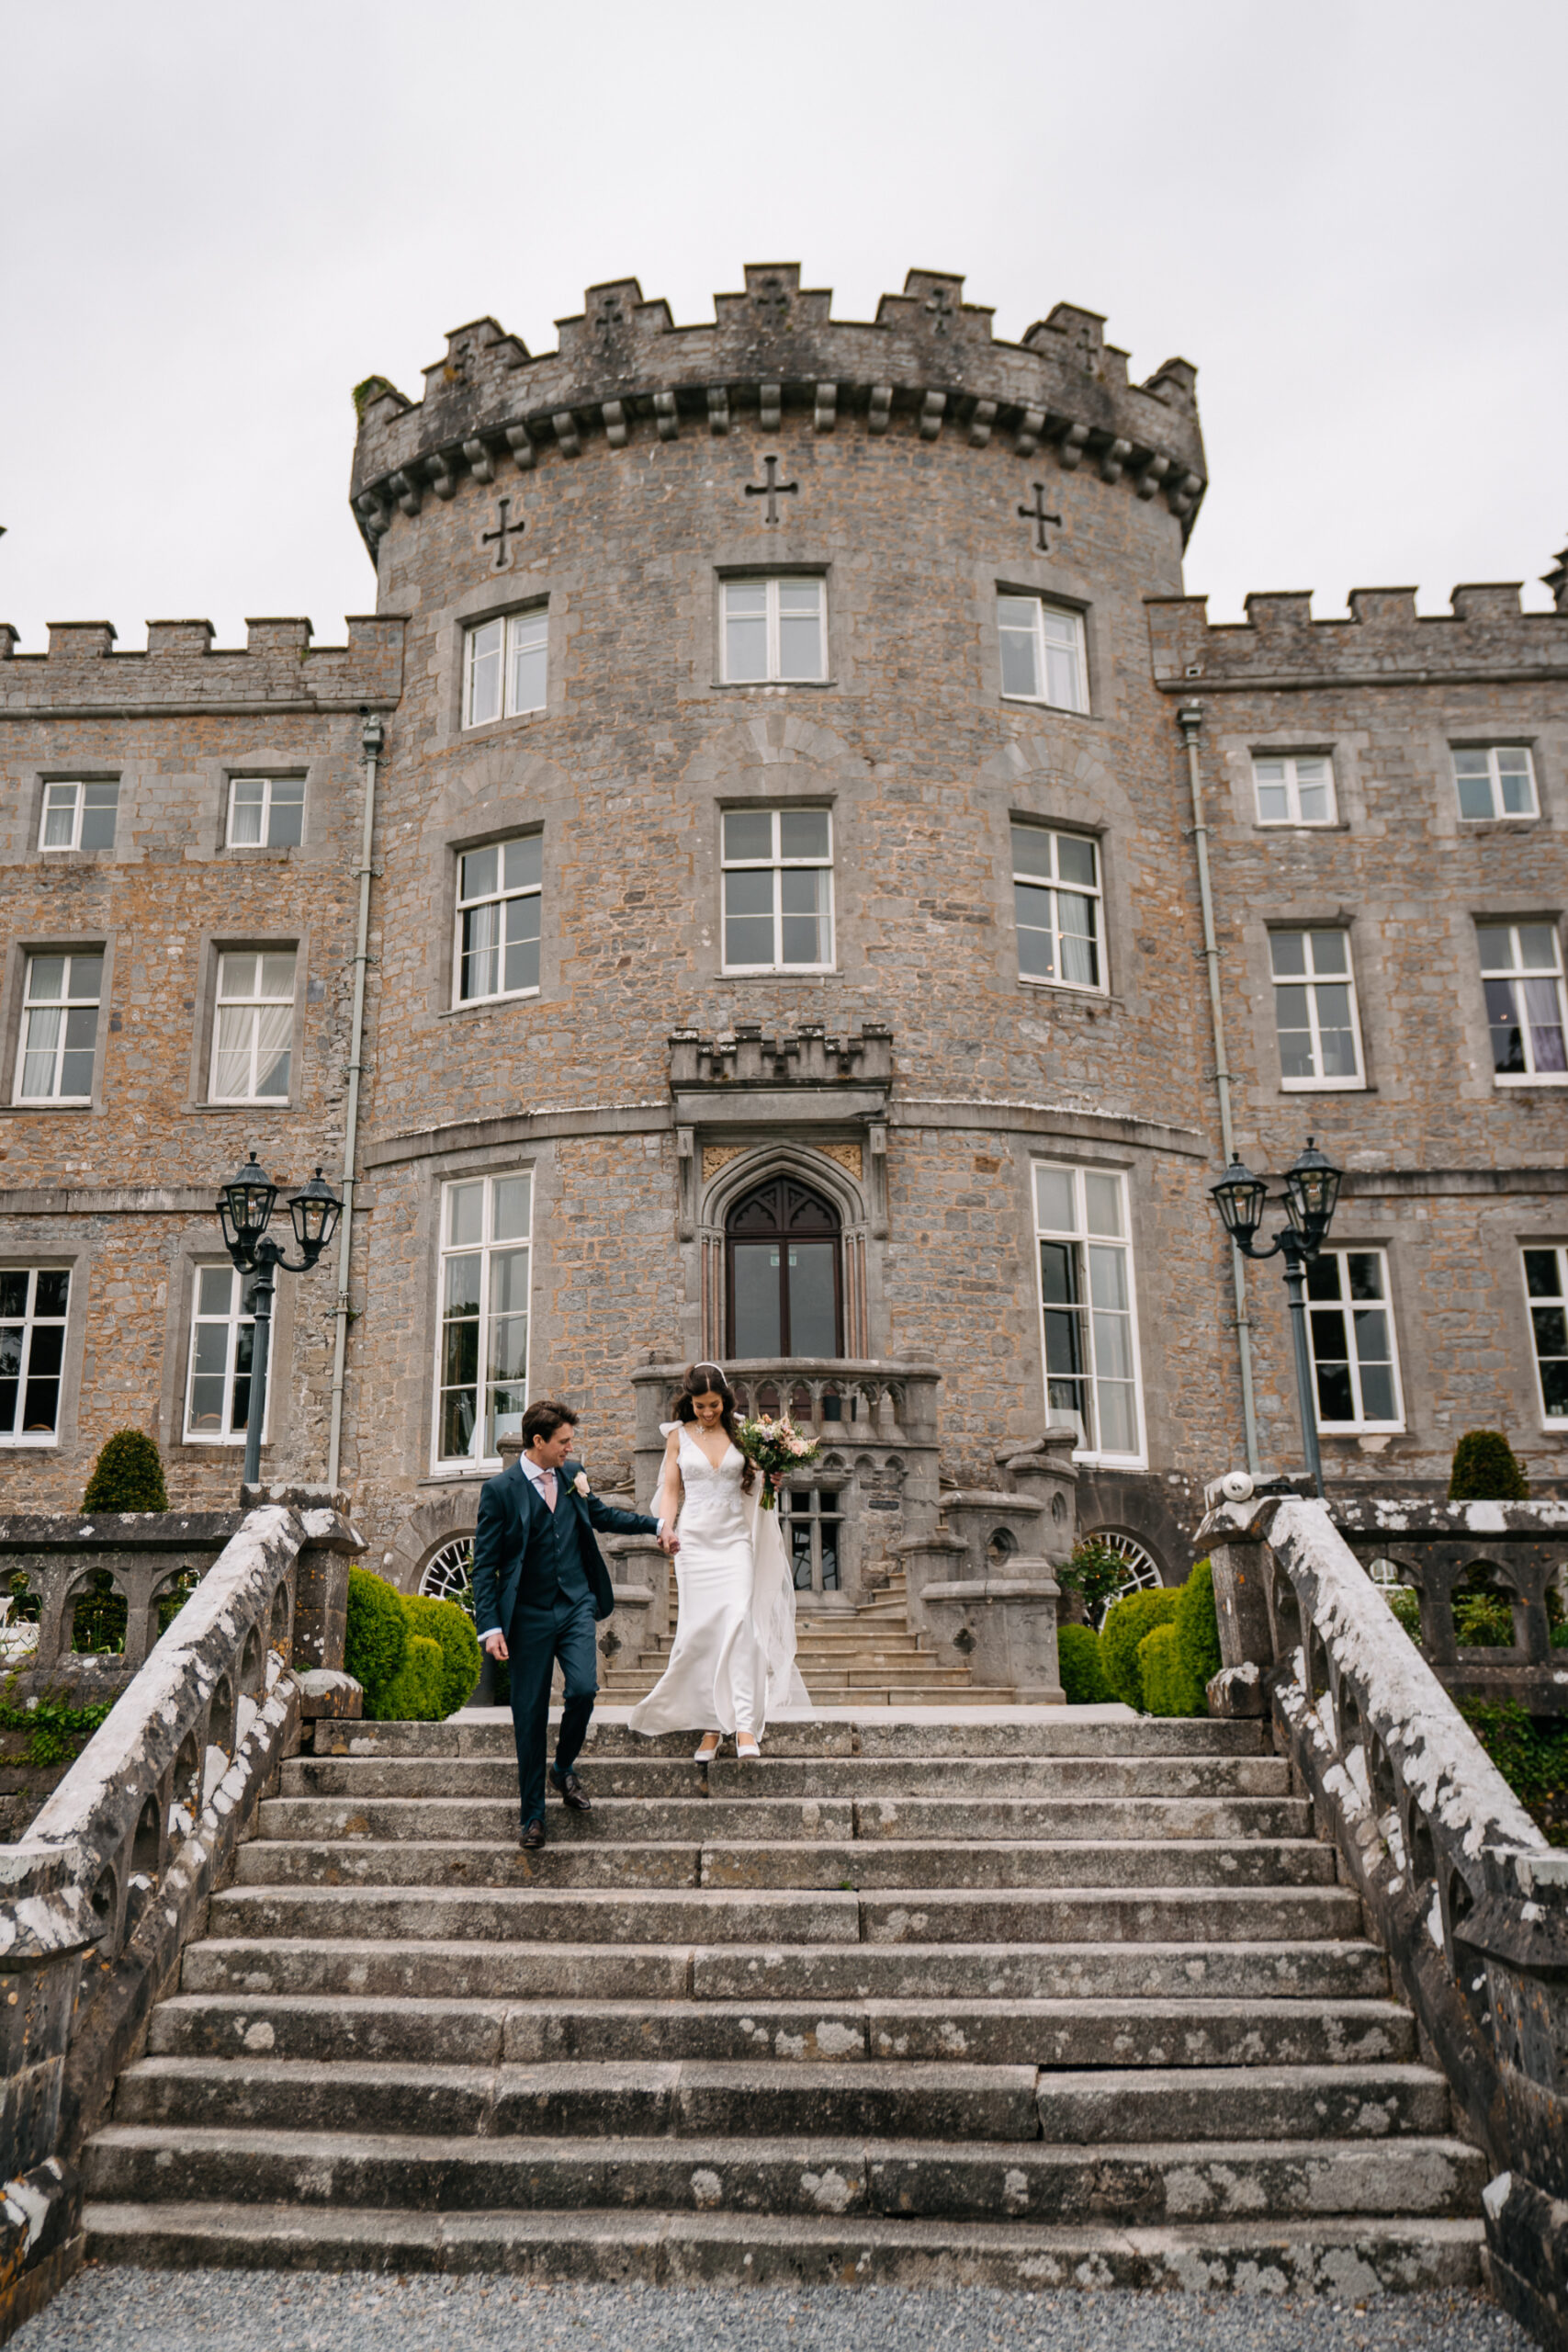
{"x":785,"y":1280}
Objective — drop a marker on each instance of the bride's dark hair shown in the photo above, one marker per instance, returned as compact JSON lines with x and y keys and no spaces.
{"x":708,"y":1380}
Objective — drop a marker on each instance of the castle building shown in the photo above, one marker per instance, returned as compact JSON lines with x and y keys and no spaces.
{"x":739,"y":893}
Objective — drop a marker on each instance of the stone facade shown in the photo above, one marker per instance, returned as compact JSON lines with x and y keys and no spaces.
{"x":912,"y":1086}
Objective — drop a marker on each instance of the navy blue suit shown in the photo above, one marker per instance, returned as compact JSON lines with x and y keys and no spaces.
{"x":540,"y":1578}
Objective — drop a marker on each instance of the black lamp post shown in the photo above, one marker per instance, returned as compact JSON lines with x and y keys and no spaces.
{"x":1312,"y":1193}
{"x":244,"y":1211}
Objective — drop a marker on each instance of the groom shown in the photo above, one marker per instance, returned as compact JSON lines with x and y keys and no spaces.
{"x":540,"y":1583}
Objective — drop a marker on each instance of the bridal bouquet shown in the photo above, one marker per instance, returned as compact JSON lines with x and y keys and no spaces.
{"x":776,"y":1448}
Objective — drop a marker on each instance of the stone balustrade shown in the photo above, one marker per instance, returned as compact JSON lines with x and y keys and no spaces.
{"x":98,"y":1899}
{"x":981,"y":1582}
{"x":1461,"y":1888}
{"x":1517,"y":1550}
{"x":50,"y":1561}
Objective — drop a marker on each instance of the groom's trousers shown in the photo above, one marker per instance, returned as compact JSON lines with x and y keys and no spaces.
{"x":540,"y":1633}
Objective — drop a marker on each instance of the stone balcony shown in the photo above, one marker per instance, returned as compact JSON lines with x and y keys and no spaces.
{"x":876,"y":1423}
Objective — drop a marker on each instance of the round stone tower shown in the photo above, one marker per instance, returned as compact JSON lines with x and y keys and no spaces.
{"x":786,"y":944}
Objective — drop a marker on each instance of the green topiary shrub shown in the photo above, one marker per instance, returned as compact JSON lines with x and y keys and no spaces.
{"x":127,"y":1475}
{"x":376,"y":1634}
{"x":414,"y":1695}
{"x":445,"y":1623}
{"x":1169,"y":1688}
{"x":1486,"y":1470}
{"x":1077,"y":1658}
{"x":1198,"y":1631}
{"x":1127,"y":1621}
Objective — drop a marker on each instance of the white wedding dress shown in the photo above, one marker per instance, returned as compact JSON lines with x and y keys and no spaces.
{"x":733,"y":1663}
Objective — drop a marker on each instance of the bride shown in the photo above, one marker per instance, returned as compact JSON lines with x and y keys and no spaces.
{"x":734,"y":1657}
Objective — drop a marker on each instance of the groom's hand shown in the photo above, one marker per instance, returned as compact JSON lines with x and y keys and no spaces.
{"x":668,"y":1545}
{"x":496,"y":1645}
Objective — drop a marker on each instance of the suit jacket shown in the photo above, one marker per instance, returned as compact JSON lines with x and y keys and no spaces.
{"x":507,"y":1508}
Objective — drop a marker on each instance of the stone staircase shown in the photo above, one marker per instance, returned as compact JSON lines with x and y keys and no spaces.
{"x":1021,"y":2000}
{"x":864,"y":1657}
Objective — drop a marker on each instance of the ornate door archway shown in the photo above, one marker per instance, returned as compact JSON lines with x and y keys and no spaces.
{"x":784,"y":1272}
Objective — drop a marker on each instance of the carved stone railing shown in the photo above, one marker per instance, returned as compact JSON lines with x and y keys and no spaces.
{"x":1520,"y":1550}
{"x":99,"y":1898}
{"x":981,"y":1582}
{"x":59,"y":1555}
{"x":1461,"y":1888}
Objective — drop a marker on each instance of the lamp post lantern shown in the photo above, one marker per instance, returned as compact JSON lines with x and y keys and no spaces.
{"x":1311,"y":1194}
{"x":244,"y":1211}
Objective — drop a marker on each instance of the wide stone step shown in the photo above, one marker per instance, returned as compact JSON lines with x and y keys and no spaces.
{"x":587,"y":1857}
{"x":554,"y":1971}
{"x":962,"y":1731}
{"x":704,"y":1818}
{"x":1087,"y":1777}
{"x":1341,"y":2256}
{"x":1147,"y":2182}
{"x":537,"y":1914}
{"x":426,"y":2030}
{"x":912,"y":2099}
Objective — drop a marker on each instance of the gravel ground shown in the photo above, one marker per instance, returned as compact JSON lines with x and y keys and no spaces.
{"x":226,"y":2310}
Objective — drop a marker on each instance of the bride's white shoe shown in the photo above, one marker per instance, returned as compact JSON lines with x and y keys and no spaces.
{"x":747,"y":1750}
{"x":709,"y":1748}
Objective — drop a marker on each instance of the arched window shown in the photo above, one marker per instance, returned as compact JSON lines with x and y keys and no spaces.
{"x":782,"y":1242}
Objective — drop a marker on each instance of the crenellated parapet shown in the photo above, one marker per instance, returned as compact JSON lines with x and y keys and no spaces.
{"x":926,"y":367}
{"x":1485,"y":638}
{"x":278,"y":669}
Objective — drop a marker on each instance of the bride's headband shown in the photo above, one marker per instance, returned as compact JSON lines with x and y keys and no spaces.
{"x":716,"y":1368}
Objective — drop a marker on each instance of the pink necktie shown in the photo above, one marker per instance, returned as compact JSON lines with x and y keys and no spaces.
{"x":547,"y":1482}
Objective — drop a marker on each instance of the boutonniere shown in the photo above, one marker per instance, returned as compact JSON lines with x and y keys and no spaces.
{"x":580,"y":1483}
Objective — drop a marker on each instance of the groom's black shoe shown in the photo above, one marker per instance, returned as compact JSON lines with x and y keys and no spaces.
{"x":574,"y":1796}
{"x":533,"y":1837}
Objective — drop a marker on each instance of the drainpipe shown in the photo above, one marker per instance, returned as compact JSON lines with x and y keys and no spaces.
{"x":371,"y":737}
{"x":1189,"y":719}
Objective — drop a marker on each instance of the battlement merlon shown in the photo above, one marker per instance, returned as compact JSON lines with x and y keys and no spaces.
{"x":928,"y":363}
{"x":1485,"y":639}
{"x":279,"y":669}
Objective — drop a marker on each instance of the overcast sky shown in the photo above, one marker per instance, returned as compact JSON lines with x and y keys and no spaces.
{"x":1350,"y":215}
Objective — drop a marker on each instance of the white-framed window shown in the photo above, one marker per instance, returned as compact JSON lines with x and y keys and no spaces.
{"x":1297,"y":790}
{"x":778,"y":890}
{"x":503,"y":666}
{"x":1088,"y":1318}
{"x":1056,"y":904}
{"x":481,"y":1369}
{"x":1351,"y":1329}
{"x":499,"y":901}
{"x":1521,"y":971}
{"x":266,"y":811}
{"x":59,"y":1027}
{"x":1314,"y":1009}
{"x":253,"y":1034}
{"x":1546,"y":1293}
{"x":1042,"y":653}
{"x":775,"y":630}
{"x":34,"y":1301}
{"x":222,"y":1337}
{"x":80,"y":814}
{"x":1494,"y":780}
